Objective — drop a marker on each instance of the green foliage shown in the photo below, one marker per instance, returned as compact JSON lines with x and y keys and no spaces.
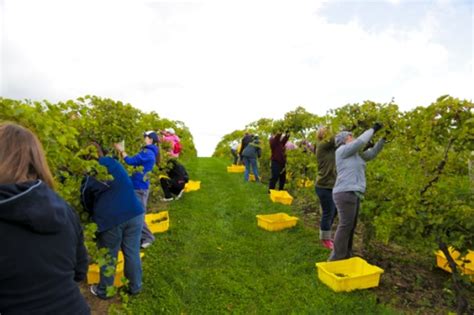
{"x":419,"y":189}
{"x":300,"y":122}
{"x":66,"y":129}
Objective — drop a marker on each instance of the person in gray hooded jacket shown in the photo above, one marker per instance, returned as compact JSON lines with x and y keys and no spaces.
{"x":249,"y":155}
{"x":350,"y":185}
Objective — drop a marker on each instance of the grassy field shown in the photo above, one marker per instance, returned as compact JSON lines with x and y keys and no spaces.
{"x":214,"y":259}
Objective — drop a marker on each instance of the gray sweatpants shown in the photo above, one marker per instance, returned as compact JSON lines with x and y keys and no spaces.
{"x":147,"y":236}
{"x":347,"y":204}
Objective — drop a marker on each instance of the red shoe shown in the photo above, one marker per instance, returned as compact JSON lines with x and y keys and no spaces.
{"x":329,"y":244}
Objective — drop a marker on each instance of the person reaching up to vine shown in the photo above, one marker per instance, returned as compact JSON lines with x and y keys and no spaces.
{"x":119,"y":216}
{"x":350,"y":185}
{"x":147,"y":158}
{"x":278,"y":160}
{"x":326,"y":158}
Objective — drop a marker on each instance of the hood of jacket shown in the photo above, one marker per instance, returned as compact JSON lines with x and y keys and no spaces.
{"x":152,"y":147}
{"x":34,"y":206}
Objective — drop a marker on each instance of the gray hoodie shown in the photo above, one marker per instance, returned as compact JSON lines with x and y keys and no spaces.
{"x":350,"y":165}
{"x":252,"y":150}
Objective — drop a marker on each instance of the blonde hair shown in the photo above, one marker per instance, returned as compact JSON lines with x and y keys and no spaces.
{"x":22,"y":156}
{"x":322,"y":132}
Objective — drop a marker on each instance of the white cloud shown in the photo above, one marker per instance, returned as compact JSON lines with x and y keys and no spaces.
{"x":219,"y":65}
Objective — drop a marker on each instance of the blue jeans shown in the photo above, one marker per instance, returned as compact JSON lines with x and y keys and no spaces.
{"x":329,"y":212}
{"x":125,"y":236}
{"x":250,"y":162}
{"x":147,"y":236}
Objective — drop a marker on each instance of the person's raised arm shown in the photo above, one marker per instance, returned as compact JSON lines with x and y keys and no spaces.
{"x":275,"y":139}
{"x":371,"y":153}
{"x":113,"y":167}
{"x":285,"y":138}
{"x":353,"y":147}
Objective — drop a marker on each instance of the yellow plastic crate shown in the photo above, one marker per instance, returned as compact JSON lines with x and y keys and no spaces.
{"x":281,"y":196}
{"x":158,"y":222}
{"x":93,"y":274}
{"x":349,"y":274}
{"x":466,"y":268}
{"x":276,"y":222}
{"x":236,"y":168}
{"x":192,"y":185}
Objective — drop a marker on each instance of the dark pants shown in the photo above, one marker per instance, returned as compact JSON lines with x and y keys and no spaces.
{"x":170,"y":187}
{"x":278,"y":174}
{"x":147,"y":236}
{"x":347,"y":204}
{"x":329,"y":212}
{"x":235,"y":155}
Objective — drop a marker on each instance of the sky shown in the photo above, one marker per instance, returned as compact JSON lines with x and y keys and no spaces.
{"x":219,"y":65}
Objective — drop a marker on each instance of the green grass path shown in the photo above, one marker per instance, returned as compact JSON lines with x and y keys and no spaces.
{"x":214,"y":259}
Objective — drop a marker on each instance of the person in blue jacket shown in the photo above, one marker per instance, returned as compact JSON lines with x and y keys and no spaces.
{"x":42,"y":252}
{"x":119,"y":217}
{"x":147,"y":158}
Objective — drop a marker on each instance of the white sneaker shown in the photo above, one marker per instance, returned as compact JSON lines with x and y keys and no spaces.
{"x":93,"y":289}
{"x":180,"y":194}
{"x":166,"y":199}
{"x":145,"y":244}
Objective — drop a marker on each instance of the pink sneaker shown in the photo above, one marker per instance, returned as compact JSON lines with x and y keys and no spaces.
{"x":329,"y":244}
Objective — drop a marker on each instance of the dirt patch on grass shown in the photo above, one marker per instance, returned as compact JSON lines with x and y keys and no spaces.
{"x":98,"y":306}
{"x":410,"y":282}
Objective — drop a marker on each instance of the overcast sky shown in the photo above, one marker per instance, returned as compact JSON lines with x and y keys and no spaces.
{"x":218,"y":65}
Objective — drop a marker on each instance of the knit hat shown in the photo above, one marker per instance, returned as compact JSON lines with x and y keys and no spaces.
{"x":341,"y":137}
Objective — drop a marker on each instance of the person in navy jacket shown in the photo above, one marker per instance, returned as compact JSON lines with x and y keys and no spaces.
{"x":119,"y":217}
{"x":147,"y":158}
{"x":42,"y":253}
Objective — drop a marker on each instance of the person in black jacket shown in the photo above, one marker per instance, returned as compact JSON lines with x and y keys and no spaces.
{"x":42,"y":253}
{"x":174,"y":183}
